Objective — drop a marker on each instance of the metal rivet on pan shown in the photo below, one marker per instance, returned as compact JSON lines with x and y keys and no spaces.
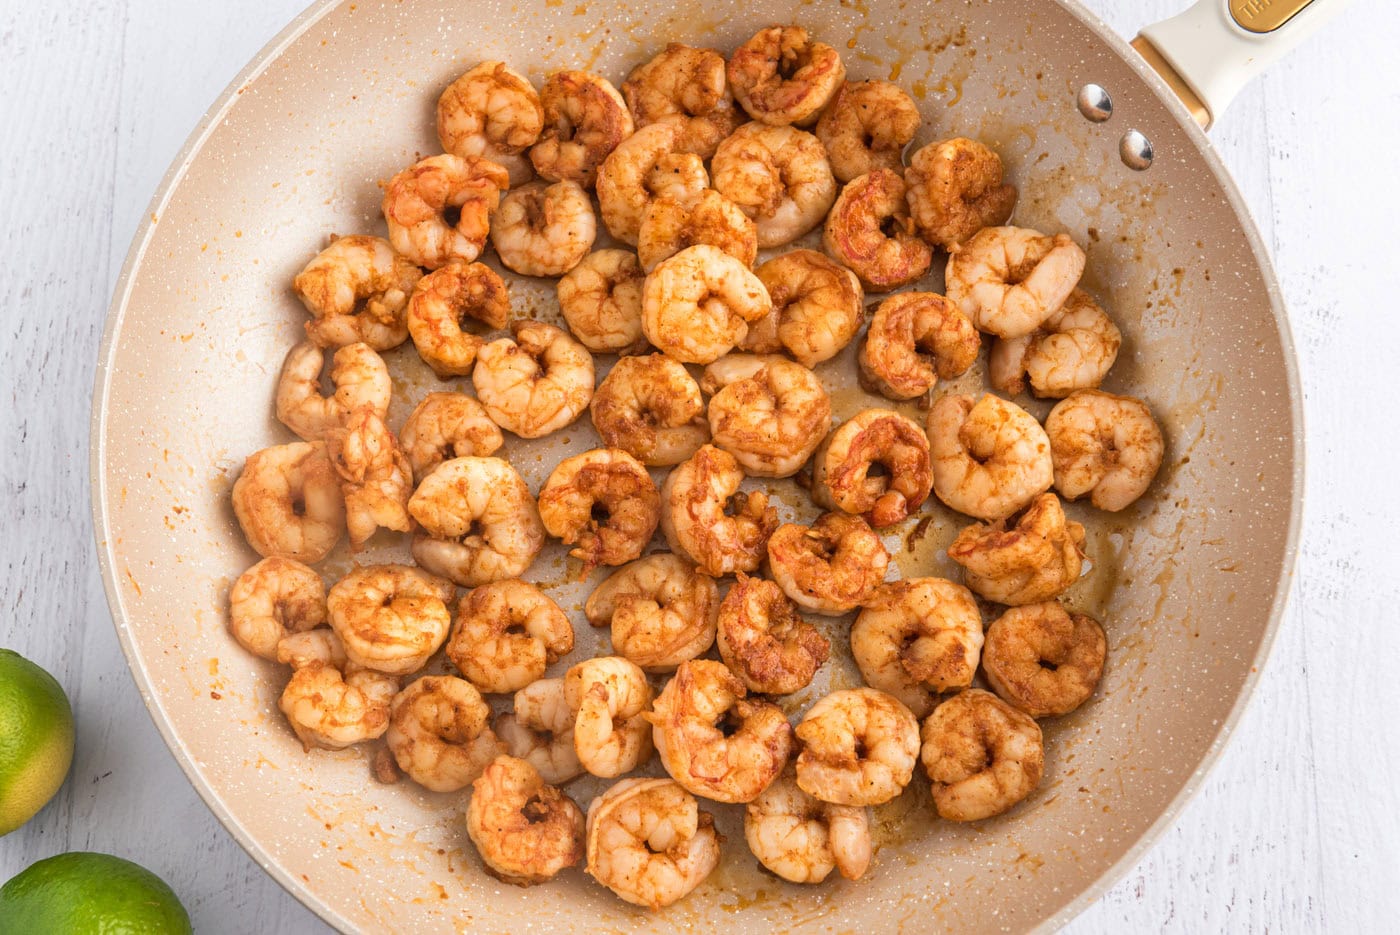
{"x":1136,"y":150}
{"x":1094,"y":103}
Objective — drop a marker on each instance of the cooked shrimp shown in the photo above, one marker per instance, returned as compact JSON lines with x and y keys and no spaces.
{"x":356,"y":291}
{"x":955,"y":190}
{"x":442,"y":304}
{"x":669,"y":225}
{"x":649,"y":842}
{"x":525,"y":830}
{"x":535,"y":384}
{"x":1072,"y":350}
{"x":330,"y":710}
{"x":662,"y":610}
{"x":768,"y":412}
{"x":706,"y":518}
{"x":544,"y":230}
{"x":859,"y":748}
{"x":712,"y":739}
{"x":648,"y":164}
{"x":288,"y":502}
{"x":1008,"y":280}
{"x":480,"y":522}
{"x":1035,"y":560}
{"x":818,"y":307}
{"x":917,"y":638}
{"x":494,"y":112}
{"x":869,"y":230}
{"x":309,"y":647}
{"x":781,"y":76}
{"x":990,"y":458}
{"x":507,"y":633}
{"x":447,"y":425}
{"x":391,"y":618}
{"x":830,"y":567}
{"x":914,"y":340}
{"x":982,"y":756}
{"x":1108,"y":447}
{"x":876,"y":465}
{"x":540,"y":729}
{"x":609,"y":697}
{"x":361,"y":381}
{"x":584,"y":120}
{"x":651,"y":408}
{"x":375,"y":476}
{"x":1043,"y":659}
{"x":866,"y":127}
{"x":778,"y":176}
{"x":601,"y":299}
{"x":418,"y":201}
{"x":802,"y":839}
{"x":765,"y":641}
{"x":603,"y":500}
{"x":275,"y":598}
{"x":440,"y":734}
{"x":697,"y":304}
{"x":688,"y":88}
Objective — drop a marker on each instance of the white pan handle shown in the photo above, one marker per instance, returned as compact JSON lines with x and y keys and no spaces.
{"x":1210,"y":51}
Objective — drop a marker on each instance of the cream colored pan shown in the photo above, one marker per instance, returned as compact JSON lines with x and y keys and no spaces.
{"x":1190,"y":583}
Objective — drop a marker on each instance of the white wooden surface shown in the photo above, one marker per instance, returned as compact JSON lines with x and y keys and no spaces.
{"x":1297,"y":829}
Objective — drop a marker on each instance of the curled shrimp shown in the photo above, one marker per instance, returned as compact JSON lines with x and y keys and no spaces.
{"x":866,"y":127}
{"x":649,"y":842}
{"x":361,"y":381}
{"x":1104,"y":446}
{"x":1072,"y":350}
{"x":765,"y":641}
{"x":651,"y":408}
{"x":506,"y":634}
{"x":480,"y":523}
{"x":780,"y":76}
{"x":818,"y":307}
{"x":540,"y":730}
{"x":443,"y":302}
{"x":390,"y":618}
{"x":494,"y":112}
{"x":419,"y":200}
{"x":603,"y":500}
{"x":769,"y":412}
{"x":831,"y":567}
{"x":288,"y":502}
{"x":669,"y":225}
{"x":601,"y":299}
{"x":662,"y":610}
{"x":914,"y":340}
{"x":981,"y":755}
{"x":1008,"y":280}
{"x":1035,"y":559}
{"x":802,"y":839}
{"x":584,"y":120}
{"x":308,"y":647}
{"x":525,"y":830}
{"x":687,"y":88}
{"x":535,"y":382}
{"x":544,"y":230}
{"x":869,"y":230}
{"x":356,"y":291}
{"x":609,"y":698}
{"x":697,"y":304}
{"x":327,"y":707}
{"x":875,"y":465}
{"x":955,"y":190}
{"x":706,"y":518}
{"x":648,"y":164}
{"x":1044,"y":660}
{"x":447,"y":425}
{"x":273,"y":599}
{"x":990,"y":458}
{"x":440,"y":733}
{"x":779,"y":176}
{"x":375,"y":476}
{"x":859,"y":748}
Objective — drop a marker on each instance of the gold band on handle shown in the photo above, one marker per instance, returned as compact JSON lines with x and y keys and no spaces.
{"x":1261,"y":16}
{"x":1199,"y":112}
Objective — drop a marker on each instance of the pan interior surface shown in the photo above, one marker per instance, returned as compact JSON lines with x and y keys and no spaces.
{"x":1186,"y":582}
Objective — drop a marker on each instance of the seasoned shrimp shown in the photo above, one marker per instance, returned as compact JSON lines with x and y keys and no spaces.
{"x":609,"y":698}
{"x":990,"y":458}
{"x":982,"y":756}
{"x":955,"y":190}
{"x":866,"y":127}
{"x":697,"y":304}
{"x":869,"y":230}
{"x":705,"y":517}
{"x":669,"y":225}
{"x":544,"y":230}
{"x":288,"y":502}
{"x":331,"y":710}
{"x":687,"y":88}
{"x":391,"y":618}
{"x":507,"y":633}
{"x":494,"y":112}
{"x":917,"y":638}
{"x":357,"y":290}
{"x":859,"y":748}
{"x":1043,"y":659}
{"x":309,"y":647}
{"x":649,"y":842}
{"x":361,"y":381}
{"x":442,"y":304}
{"x":440,"y":733}
{"x":419,"y":200}
{"x":1034,"y":560}
{"x":535,"y":384}
{"x":818,"y":306}
{"x":1108,"y":447}
{"x":584,"y":120}
{"x":712,"y":739}
{"x":830,"y":567}
{"x":1008,"y":280}
{"x":479,"y":521}
{"x":662,"y":610}
{"x":781,"y":76}
{"x":802,"y":839}
{"x":603,"y":500}
{"x":651,"y":408}
{"x":768,"y":412}
{"x":525,"y":830}
{"x":1072,"y":350}
{"x":914,"y":340}
{"x":646,"y":165}
{"x":778,"y":176}
{"x":447,"y":425}
{"x":540,"y":730}
{"x":375,"y":476}
{"x":275,"y":598}
{"x":876,"y":465}
{"x":601,"y":299}
{"x":765,"y":641}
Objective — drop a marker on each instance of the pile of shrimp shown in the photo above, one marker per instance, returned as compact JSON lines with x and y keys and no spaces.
{"x":701,"y":364}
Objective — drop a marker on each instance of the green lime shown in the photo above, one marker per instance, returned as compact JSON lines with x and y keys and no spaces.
{"x":36,"y":739}
{"x":90,"y":894}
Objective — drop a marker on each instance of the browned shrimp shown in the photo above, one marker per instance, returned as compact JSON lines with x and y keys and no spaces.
{"x":525,"y":830}
{"x":705,"y":517}
{"x":506,"y":634}
{"x":914,"y":340}
{"x":288,"y":502}
{"x":447,"y":425}
{"x":375,"y":476}
{"x":601,"y":300}
{"x":866,"y":127}
{"x":491,"y":111}
{"x":1043,"y":659}
{"x":605,"y":501}
{"x":780,"y":76}
{"x":443,"y":302}
{"x":1034,"y":560}
{"x":584,"y":120}
{"x":651,"y":408}
{"x":955,"y":190}
{"x":830,"y":567}
{"x":669,"y":225}
{"x":1072,"y":350}
{"x":982,"y":756}
{"x":419,"y":200}
{"x":869,"y":230}
{"x":818,"y":307}
{"x":765,"y":641}
{"x":356,"y":290}
{"x":688,"y":88}
{"x":662,"y":609}
{"x":845,"y":475}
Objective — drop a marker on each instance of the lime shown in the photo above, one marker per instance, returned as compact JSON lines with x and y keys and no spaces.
{"x":36,"y":739}
{"x":90,"y":894}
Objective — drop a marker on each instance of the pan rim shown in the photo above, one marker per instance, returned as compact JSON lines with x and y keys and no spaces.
{"x":270,"y":53}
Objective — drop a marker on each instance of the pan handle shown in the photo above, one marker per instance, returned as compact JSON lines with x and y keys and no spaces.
{"x":1210,"y":51}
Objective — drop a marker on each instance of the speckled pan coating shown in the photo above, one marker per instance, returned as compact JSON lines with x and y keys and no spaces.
{"x":1189,"y":583}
